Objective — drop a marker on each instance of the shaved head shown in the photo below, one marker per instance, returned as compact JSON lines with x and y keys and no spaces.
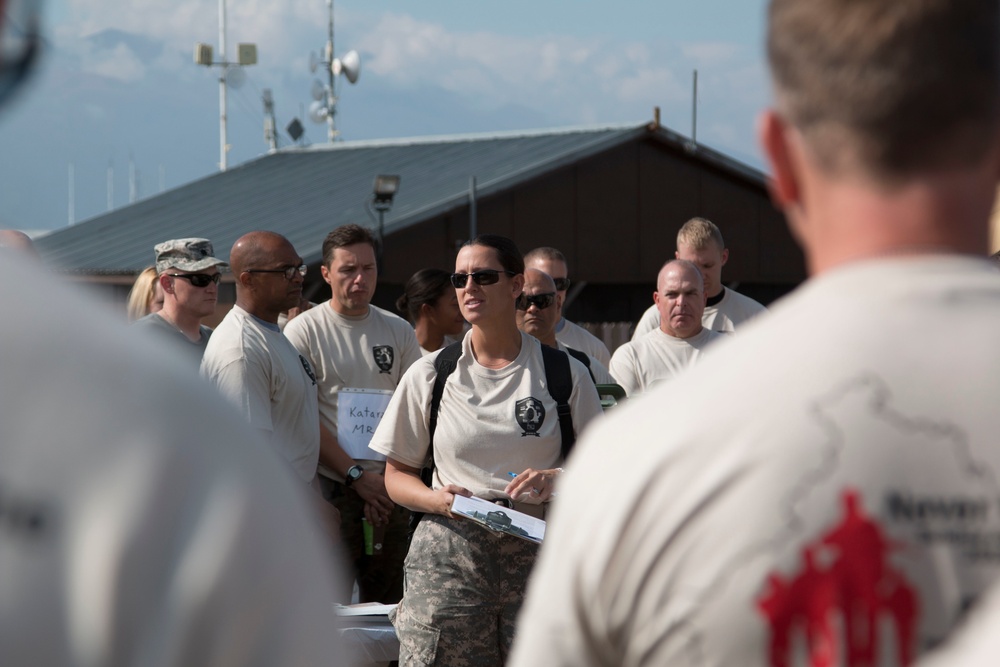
{"x":254,"y":249}
{"x":17,"y":240}
{"x":539,"y":282}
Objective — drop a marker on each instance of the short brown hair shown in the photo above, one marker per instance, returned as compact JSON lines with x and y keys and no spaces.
{"x":698,"y":233}
{"x":344,"y":236}
{"x":893,"y":87}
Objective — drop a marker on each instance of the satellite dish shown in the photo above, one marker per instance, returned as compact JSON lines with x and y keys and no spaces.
{"x":313,"y":62}
{"x":349,"y":66}
{"x":235,"y":77}
{"x":318,"y":112}
{"x":318,"y":90}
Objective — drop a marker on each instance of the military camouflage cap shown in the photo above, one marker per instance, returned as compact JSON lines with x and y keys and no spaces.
{"x":186,"y":255}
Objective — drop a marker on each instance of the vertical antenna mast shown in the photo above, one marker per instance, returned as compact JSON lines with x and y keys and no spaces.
{"x":222,"y":85}
{"x":331,"y":98}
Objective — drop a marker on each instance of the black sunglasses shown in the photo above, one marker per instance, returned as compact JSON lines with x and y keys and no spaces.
{"x":562,"y":284}
{"x":539,"y":301}
{"x":483,"y":277}
{"x":198,"y":279}
{"x":289,"y":271}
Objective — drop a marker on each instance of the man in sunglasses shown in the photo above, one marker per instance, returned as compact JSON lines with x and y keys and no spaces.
{"x":553,"y":262}
{"x":538,"y":314}
{"x":679,"y":340}
{"x":189,"y":275}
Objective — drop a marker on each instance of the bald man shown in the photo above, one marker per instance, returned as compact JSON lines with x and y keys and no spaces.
{"x":254,"y":365}
{"x":680,"y":339}
{"x":18,"y":241}
{"x":539,"y":309}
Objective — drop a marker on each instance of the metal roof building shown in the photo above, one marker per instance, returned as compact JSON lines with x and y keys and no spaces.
{"x":611,"y":198}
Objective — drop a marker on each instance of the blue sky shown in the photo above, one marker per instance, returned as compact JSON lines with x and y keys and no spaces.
{"x":117,"y":91}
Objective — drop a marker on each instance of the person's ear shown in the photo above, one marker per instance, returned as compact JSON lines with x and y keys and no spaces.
{"x":245,"y":280}
{"x":166,"y":283}
{"x":517,"y":283}
{"x":426,"y":310}
{"x":725,"y":256}
{"x":325,"y":272}
{"x":776,"y":139}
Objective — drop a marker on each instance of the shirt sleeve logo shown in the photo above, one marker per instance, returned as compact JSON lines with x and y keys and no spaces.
{"x":529,"y":413}
{"x":308,"y":368}
{"x":383,"y":357}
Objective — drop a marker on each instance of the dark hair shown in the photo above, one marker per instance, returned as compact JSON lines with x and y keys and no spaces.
{"x":507,"y":252}
{"x":894,"y":87}
{"x":424,"y":286}
{"x":344,"y":236}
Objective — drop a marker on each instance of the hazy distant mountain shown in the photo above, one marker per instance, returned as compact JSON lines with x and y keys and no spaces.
{"x":144,"y":48}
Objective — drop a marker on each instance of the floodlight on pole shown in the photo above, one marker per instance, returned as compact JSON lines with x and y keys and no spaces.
{"x":383,"y":192}
{"x":229,"y":72}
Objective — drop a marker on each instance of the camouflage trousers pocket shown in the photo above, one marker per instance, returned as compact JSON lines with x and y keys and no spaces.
{"x":417,"y":642}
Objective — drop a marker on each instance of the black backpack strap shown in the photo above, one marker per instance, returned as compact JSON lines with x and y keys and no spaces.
{"x":444,"y":364}
{"x":584,"y":359}
{"x":560,"y":380}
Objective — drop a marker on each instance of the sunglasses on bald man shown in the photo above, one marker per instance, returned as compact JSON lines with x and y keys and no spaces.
{"x":539,"y":301}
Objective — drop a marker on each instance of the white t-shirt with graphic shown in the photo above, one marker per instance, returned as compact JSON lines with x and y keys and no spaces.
{"x":830,"y":473}
{"x":490,"y":422}
{"x":368,"y":352}
{"x":642,"y":364}
{"x":574,"y":336}
{"x":732,"y":311}
{"x":270,"y":383}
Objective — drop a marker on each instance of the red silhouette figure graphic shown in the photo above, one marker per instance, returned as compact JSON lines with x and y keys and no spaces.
{"x":859,"y":586}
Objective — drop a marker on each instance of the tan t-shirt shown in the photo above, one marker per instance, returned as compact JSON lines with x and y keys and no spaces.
{"x":490,"y":422}
{"x":597,"y":369}
{"x":733,"y":310}
{"x":657,"y":356}
{"x":367,"y":352}
{"x":574,"y":336}
{"x":270,"y":383}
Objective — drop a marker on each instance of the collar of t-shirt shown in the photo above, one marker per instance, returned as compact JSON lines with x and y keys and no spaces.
{"x":714,"y":300}
{"x":271,"y":326}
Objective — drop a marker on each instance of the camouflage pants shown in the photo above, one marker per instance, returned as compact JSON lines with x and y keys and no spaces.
{"x":464,"y":587}
{"x":379,"y":577}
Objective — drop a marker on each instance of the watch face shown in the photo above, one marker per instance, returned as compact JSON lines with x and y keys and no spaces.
{"x":354,"y":472}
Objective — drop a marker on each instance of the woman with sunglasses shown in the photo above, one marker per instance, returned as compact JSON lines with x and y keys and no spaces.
{"x":497,"y":437}
{"x":430,"y":304}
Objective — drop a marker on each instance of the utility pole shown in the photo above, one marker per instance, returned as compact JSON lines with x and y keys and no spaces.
{"x":246,"y":54}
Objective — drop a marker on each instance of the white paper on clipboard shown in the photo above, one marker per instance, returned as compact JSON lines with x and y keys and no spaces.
{"x":359,"y":412}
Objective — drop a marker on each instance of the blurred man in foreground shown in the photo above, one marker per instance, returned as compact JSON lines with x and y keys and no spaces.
{"x":822,"y":489}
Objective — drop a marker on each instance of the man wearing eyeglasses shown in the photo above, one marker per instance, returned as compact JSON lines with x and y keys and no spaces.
{"x":680,"y":339}
{"x":553,"y":262}
{"x":359,"y":353}
{"x":189,"y":275}
{"x":538,"y":314}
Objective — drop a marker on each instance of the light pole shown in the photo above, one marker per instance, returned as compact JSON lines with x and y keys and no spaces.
{"x":246,"y":54}
{"x":383,"y":192}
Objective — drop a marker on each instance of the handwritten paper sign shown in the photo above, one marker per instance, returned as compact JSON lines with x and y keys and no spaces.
{"x":358,"y":413}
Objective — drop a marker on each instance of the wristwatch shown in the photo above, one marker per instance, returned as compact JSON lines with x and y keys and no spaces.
{"x":353,"y":474}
